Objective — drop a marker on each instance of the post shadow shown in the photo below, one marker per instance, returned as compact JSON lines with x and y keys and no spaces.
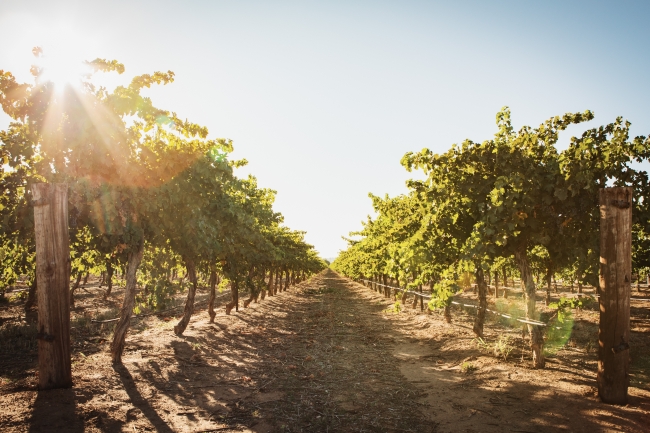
{"x":55,"y":411}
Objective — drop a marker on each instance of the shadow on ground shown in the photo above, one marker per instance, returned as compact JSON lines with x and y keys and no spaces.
{"x":323,"y":356}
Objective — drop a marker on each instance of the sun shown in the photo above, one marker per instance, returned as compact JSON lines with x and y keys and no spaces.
{"x":60,"y":66}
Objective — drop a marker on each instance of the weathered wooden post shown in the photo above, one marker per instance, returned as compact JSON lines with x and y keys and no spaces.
{"x":53,"y":284}
{"x":615,"y":282}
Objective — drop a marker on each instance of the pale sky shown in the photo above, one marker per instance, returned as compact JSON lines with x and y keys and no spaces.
{"x":324,"y":98}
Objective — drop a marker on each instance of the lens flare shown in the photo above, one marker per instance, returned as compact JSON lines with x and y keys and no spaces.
{"x":558,"y":333}
{"x":558,"y":330}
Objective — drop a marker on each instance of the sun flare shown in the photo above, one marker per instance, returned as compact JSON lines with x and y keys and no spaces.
{"x":61,"y":67}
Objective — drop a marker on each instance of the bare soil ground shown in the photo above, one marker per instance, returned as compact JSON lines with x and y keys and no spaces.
{"x":327,"y":355}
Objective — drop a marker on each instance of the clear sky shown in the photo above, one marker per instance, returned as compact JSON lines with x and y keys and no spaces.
{"x":324,"y":98}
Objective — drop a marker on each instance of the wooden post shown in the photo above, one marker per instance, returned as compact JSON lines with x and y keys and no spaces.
{"x":615,"y":282}
{"x":53,"y":284}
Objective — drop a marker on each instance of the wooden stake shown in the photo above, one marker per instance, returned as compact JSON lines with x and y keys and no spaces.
{"x":53,"y":284}
{"x":615,"y":281}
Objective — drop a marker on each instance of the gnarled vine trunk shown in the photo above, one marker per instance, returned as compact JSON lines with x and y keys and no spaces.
{"x":269,"y":285}
{"x":252,"y":288}
{"x":236,"y":295}
{"x":447,"y":313}
{"x":535,"y":332}
{"x":75,"y":286}
{"x":30,"y":304}
{"x":234,"y":302}
{"x":580,"y":279}
{"x":414,"y":305}
{"x":273,"y":282}
{"x":421,"y":298}
{"x":404,"y":294}
{"x":189,"y":302}
{"x":214,"y":280}
{"x":109,"y":279}
{"x":277,"y":281}
{"x":286,"y":282}
{"x":482,"y":302}
{"x":122,"y":327}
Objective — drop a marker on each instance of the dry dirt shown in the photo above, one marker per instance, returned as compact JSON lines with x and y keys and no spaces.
{"x":327,"y":355}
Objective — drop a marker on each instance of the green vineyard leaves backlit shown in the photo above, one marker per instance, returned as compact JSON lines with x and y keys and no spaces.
{"x":513,"y":203}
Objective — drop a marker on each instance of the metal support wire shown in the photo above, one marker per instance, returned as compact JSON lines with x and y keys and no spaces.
{"x":507,"y":316}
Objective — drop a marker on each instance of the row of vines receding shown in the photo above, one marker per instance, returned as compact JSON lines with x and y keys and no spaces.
{"x":513,"y":204}
{"x":150,"y":196}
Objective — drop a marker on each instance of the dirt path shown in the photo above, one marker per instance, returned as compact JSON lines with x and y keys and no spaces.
{"x":324,"y":356}
{"x":470,"y":389}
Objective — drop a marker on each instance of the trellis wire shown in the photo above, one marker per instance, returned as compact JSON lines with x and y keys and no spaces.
{"x":518,"y":319}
